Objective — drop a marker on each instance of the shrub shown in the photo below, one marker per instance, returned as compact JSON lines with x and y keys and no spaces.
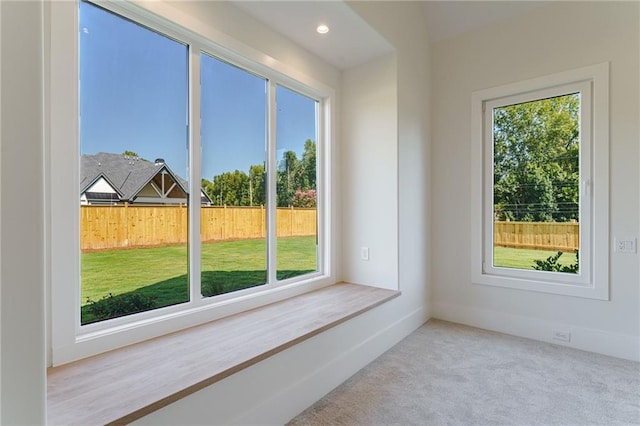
{"x":119,"y":305}
{"x":304,"y":198}
{"x":551,"y":264}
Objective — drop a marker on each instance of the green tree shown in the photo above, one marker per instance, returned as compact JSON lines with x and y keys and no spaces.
{"x":536,"y":160}
{"x":257,"y":186}
{"x":207,"y":187}
{"x":293,"y":176}
{"x":309,"y":165}
{"x":288,"y":178}
{"x":231,"y":189}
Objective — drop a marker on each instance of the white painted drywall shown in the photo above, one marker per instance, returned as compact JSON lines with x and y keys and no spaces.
{"x":22,"y":263}
{"x":403,"y":25}
{"x":369,"y":173}
{"x":557,"y":37}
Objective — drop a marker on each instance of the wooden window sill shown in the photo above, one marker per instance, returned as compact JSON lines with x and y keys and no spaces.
{"x":126,"y":384}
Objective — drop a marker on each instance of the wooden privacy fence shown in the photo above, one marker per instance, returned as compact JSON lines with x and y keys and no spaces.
{"x":557,"y":236}
{"x":122,"y":226}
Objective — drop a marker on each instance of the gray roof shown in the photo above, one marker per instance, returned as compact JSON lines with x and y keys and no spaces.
{"x":126,"y":174}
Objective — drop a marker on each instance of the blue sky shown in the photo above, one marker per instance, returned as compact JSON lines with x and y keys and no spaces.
{"x":133,"y":96}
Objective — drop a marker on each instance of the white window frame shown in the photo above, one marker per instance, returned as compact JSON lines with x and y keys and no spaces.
{"x":69,"y":340}
{"x":592,"y":281}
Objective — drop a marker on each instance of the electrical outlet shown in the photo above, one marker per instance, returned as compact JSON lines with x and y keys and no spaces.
{"x":563,"y":336}
{"x":624,"y":245}
{"x":364,"y":253}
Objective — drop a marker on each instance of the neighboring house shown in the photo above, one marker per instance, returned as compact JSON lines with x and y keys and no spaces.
{"x":107,"y":178}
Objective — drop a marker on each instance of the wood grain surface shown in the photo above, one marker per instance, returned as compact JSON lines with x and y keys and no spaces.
{"x":123,"y":385}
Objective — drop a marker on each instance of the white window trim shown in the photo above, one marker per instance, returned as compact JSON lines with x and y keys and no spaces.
{"x":68,"y":340}
{"x":593,"y":281}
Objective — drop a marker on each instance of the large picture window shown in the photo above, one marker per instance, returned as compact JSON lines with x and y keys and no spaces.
{"x":189,"y":179}
{"x":541,"y":183}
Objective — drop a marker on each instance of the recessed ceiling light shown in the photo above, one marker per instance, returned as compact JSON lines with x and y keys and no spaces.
{"x":322,"y":29}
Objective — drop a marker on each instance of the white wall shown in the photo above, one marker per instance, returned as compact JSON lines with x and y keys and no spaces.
{"x":402,"y":23}
{"x":369,"y":173}
{"x":558,"y":37}
{"x":22,"y":384}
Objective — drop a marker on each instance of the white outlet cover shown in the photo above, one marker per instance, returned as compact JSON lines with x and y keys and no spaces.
{"x":364,"y":253}
{"x":624,"y":245}
{"x":563,"y":336}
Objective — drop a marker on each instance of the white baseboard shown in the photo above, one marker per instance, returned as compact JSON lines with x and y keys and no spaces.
{"x":592,"y":340}
{"x":294,"y":399}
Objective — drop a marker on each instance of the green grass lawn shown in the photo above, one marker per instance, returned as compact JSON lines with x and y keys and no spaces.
{"x":524,"y":259}
{"x":159,"y":275}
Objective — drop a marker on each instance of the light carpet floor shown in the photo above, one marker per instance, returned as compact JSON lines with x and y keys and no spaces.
{"x":449,"y":374}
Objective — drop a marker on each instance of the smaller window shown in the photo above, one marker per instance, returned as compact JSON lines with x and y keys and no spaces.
{"x":540,"y":184}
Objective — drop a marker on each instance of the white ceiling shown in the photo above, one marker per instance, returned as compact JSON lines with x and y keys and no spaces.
{"x":351,"y":41}
{"x":450,"y":18}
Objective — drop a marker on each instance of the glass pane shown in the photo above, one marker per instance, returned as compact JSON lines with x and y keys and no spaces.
{"x":133,"y":167}
{"x":536,"y":184}
{"x":296,"y":215}
{"x":233,"y":212}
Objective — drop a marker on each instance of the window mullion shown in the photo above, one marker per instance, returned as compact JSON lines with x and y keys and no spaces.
{"x":194,"y":149}
{"x":271,"y":183}
{"x":586,"y":181}
{"x":487,"y":259}
{"x":320,"y":187}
